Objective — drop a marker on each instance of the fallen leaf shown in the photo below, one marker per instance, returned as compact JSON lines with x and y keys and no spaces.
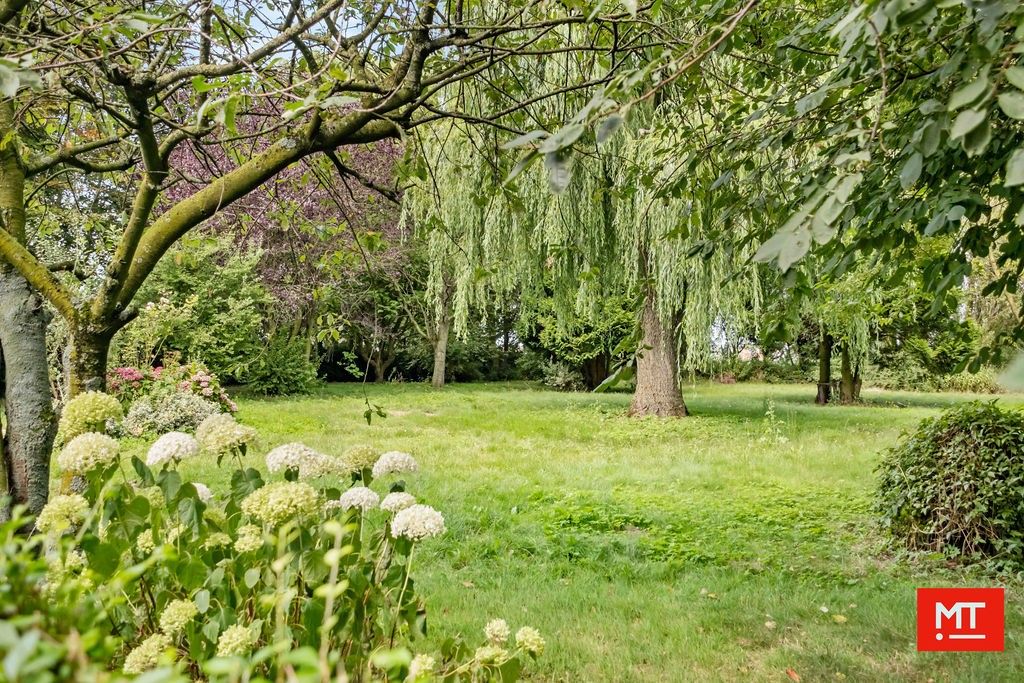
{"x":769,"y":625}
{"x":839,"y":618}
{"x":468,"y":584}
{"x":824,"y":610}
{"x":793,"y":676}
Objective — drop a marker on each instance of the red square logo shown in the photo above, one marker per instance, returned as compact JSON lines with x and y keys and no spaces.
{"x":960,"y":619}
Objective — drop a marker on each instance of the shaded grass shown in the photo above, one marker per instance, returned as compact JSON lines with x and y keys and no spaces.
{"x":705,"y":548}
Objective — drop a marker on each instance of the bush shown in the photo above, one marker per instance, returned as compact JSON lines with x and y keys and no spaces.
{"x":129,"y":384}
{"x":292,"y":579}
{"x":283,"y":367}
{"x":562,"y":377}
{"x":956,"y":485}
{"x":174,"y":412}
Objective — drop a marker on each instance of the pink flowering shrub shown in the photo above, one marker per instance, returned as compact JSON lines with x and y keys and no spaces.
{"x":130,"y":384}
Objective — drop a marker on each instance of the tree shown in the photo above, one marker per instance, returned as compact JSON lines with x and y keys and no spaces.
{"x":128,"y":113}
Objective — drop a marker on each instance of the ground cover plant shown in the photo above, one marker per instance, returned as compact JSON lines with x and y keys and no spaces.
{"x":648,"y":550}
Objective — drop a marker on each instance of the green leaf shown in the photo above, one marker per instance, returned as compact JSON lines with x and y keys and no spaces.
{"x":608,"y":127}
{"x":1015,"y":75}
{"x":525,"y":139}
{"x":202,"y":601}
{"x":1012,"y":104}
{"x":967,"y":121}
{"x":563,"y":137}
{"x":559,"y":173}
{"x":967,"y":94}
{"x":9,"y":81}
{"x":977,"y":140}
{"x":252,"y":577}
{"x":1015,"y":168}
{"x":623,"y":374}
{"x":911,"y":171}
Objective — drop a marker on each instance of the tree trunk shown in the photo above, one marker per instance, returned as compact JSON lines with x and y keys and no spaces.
{"x":31,"y":422}
{"x":89,"y":352}
{"x":28,"y":405}
{"x":657,"y":379}
{"x":596,"y":370}
{"x":849,"y":385}
{"x":824,"y":370}
{"x":440,"y":354}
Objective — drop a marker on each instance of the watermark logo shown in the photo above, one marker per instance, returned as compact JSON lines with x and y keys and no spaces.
{"x":960,"y":619}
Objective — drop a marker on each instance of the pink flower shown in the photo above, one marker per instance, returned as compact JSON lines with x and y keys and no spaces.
{"x":207,"y":391}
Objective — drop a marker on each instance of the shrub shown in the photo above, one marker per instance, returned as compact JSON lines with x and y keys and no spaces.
{"x":174,"y":412}
{"x":283,"y":367}
{"x":129,"y":384}
{"x":292,"y":579}
{"x":560,"y":376}
{"x":956,"y":485}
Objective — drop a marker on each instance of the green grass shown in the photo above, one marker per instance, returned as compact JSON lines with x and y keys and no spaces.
{"x":646,"y":550}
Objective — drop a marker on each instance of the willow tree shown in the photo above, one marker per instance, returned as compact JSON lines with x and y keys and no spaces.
{"x":605,"y":230}
{"x":113,"y":88}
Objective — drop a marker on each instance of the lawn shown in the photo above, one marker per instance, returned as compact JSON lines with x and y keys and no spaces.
{"x":725,"y":546}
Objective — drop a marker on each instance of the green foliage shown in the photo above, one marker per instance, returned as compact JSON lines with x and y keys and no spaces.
{"x":563,"y":377}
{"x":956,"y":486}
{"x":205,"y":302}
{"x":282,"y":367}
{"x":149,"y":572}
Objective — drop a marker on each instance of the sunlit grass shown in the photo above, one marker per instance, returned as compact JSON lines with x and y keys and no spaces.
{"x":707,"y":548}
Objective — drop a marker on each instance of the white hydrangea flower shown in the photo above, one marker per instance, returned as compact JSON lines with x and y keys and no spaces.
{"x":203,"y":491}
{"x":300,"y":457}
{"x":235,"y":641}
{"x":421,"y":668}
{"x":417,"y":523}
{"x":221,"y":433}
{"x":358,"y":458}
{"x":89,"y":412}
{"x":147,"y":654}
{"x":280,"y":501}
{"x":176,"y":616}
{"x":62,"y":513}
{"x":88,"y":451}
{"x":359,"y":497}
{"x":530,"y":640}
{"x":172,"y":447}
{"x":250,"y":538}
{"x":399,"y":500}
{"x":497,"y":631}
{"x":491,"y":654}
{"x":217,"y":539}
{"x":144,"y":542}
{"x":394,"y":462}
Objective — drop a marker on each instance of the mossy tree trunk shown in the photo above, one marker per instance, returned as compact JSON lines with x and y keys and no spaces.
{"x":824,"y":369}
{"x":31,"y":423}
{"x":657,"y":373}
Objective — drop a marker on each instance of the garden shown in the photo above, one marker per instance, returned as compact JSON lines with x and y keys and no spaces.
{"x":546,"y":341}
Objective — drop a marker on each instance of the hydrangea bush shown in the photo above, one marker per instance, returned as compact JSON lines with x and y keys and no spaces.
{"x":142,"y":573}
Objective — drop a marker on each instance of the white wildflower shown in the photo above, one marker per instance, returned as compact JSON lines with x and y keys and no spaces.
{"x":147,"y":654}
{"x":530,"y":640}
{"x":491,"y":654}
{"x":497,"y":631}
{"x":359,"y":497}
{"x":394,"y":462}
{"x":62,"y":513}
{"x":235,"y":641}
{"x":250,"y":538}
{"x":88,"y":451}
{"x":399,"y":500}
{"x":280,"y":501}
{"x":203,"y":491}
{"x":299,"y":457}
{"x":220,"y":433}
{"x":176,"y":616}
{"x":418,"y":522}
{"x":144,"y":542}
{"x":172,"y":447}
{"x":422,"y":666}
{"x":358,"y":458}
